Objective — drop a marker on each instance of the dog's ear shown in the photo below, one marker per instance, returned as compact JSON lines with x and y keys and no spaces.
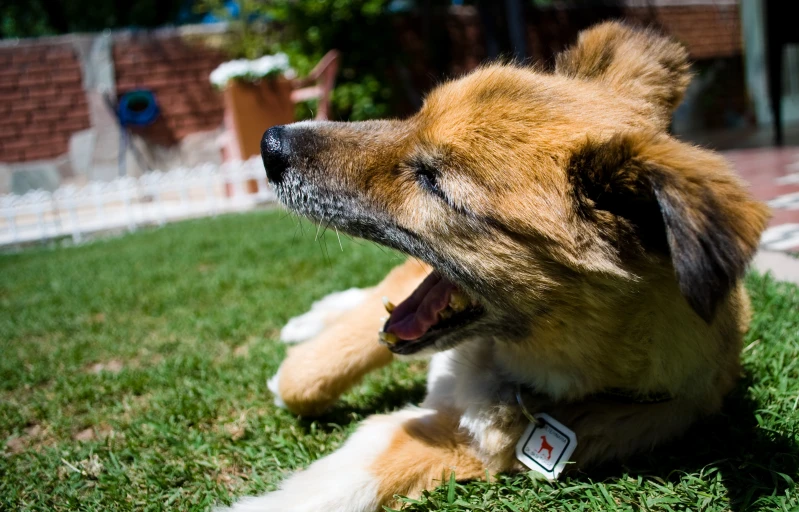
{"x":634,"y":62}
{"x":672,"y":197}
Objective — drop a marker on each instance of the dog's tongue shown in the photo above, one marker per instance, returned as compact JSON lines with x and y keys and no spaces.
{"x":418,"y":313}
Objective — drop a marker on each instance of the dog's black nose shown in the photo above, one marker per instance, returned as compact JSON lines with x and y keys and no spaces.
{"x":274,"y":151}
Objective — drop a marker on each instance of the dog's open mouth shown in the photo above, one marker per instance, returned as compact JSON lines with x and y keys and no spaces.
{"x":435,"y":308}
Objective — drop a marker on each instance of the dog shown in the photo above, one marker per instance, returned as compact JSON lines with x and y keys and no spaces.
{"x":567,"y":256}
{"x":546,"y":447}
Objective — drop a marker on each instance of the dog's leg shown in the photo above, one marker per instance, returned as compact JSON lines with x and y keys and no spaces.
{"x":323,"y":313}
{"x":317,"y":372}
{"x":401,"y":453}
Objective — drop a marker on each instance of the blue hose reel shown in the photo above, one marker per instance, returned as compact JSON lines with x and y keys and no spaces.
{"x":137,"y":108}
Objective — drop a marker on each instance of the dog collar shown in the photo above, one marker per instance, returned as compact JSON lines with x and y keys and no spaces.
{"x":614,"y":394}
{"x":631,"y":397}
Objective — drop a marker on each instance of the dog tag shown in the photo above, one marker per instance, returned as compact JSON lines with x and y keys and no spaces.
{"x":546,"y":447}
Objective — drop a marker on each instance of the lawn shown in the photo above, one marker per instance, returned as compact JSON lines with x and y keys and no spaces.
{"x":133,"y":377}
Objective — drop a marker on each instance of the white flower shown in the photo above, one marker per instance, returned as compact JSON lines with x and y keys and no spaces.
{"x":251,"y":70}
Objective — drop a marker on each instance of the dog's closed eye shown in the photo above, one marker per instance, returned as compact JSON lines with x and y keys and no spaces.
{"x":427,"y":176}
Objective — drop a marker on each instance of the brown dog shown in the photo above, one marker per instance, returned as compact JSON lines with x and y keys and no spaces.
{"x":582,"y":263}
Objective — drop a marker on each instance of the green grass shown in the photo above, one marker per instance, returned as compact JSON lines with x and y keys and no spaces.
{"x":133,"y":377}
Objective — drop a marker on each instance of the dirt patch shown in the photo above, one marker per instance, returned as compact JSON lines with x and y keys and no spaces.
{"x":112,"y":366}
{"x":230,"y":475}
{"x":238,"y":428}
{"x":102,"y":431}
{"x":97,"y":318}
{"x":33,"y":437}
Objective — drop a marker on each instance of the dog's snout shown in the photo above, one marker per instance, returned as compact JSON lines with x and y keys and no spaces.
{"x":274,"y":151}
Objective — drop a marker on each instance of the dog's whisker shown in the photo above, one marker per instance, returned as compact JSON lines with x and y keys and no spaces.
{"x":317,"y":229}
{"x":339,"y":239}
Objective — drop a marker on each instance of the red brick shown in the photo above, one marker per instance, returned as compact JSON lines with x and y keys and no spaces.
{"x":74,"y":114}
{"x":11,"y":95}
{"x":23,"y":58}
{"x":33,"y":80}
{"x":26,"y":105}
{"x":8,"y":132}
{"x":43,"y":151}
{"x":74,"y":125}
{"x":64,"y":65}
{"x":79,"y":99}
{"x":8,"y":88}
{"x":13,"y":118}
{"x":125,"y":59}
{"x":59,"y":100}
{"x":42,"y":93}
{"x":126,"y":84}
{"x":39,"y":67}
{"x":46,"y":116}
{"x":138,"y":76}
{"x":67,"y":76}
{"x":56,"y":54}
{"x":11,"y":156}
{"x":18,"y":144}
{"x":37,"y":130}
{"x":10,"y":71}
{"x":8,"y":82}
{"x":173,"y":108}
{"x":70,"y":89}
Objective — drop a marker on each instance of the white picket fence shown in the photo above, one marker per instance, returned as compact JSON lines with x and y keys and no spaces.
{"x":154,"y":198}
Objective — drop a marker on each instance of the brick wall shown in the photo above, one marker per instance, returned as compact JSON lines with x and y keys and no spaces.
{"x":41,"y":101}
{"x":709,"y":31}
{"x":177,"y":71}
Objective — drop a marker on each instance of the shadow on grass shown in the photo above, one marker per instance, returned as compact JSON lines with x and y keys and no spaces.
{"x":393,"y":397}
{"x":754,"y":462}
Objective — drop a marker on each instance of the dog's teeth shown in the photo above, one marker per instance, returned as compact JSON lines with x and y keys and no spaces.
{"x":384,"y":319}
{"x":386,"y":338}
{"x":445,"y":314}
{"x":458,"y":301}
{"x":388,"y":304}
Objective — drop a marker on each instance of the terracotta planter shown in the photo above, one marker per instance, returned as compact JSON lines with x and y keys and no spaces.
{"x":252,"y":108}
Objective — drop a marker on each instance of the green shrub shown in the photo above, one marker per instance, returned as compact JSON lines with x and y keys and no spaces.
{"x":305,"y":30}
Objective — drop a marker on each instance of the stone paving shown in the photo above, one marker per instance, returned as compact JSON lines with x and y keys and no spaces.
{"x":773,"y":175}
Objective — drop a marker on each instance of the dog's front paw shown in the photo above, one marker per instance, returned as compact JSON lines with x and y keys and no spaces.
{"x":302,"y":392}
{"x":322,"y":313}
{"x":273,"y":386}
